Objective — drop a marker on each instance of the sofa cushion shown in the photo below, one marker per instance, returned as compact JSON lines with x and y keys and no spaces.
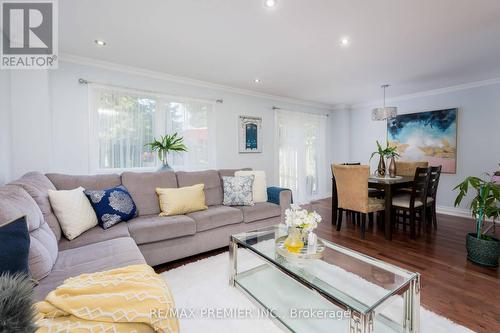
{"x":260,"y":211}
{"x":95,"y":235}
{"x":16,"y":202}
{"x":154,"y":228}
{"x":37,"y":185}
{"x":94,"y":182}
{"x":142,"y":187}
{"x":211,"y":179}
{"x":14,"y":246}
{"x":102,"y":256}
{"x":216,"y":216}
{"x":43,"y":251}
{"x":112,"y":206}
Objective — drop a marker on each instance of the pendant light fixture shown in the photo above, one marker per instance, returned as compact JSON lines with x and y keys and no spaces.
{"x":385,"y":112}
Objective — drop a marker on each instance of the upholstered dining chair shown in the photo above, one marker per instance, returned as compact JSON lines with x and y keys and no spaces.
{"x":352,"y":193}
{"x":407,"y":168}
{"x":432,"y":193}
{"x":415,"y":201}
{"x":372,"y":192}
{"x":334,"y":197}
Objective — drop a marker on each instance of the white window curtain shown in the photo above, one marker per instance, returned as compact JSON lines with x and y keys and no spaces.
{"x":123,"y":121}
{"x":302,"y":154}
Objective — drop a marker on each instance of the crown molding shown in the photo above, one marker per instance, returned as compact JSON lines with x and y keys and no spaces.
{"x":85,"y":61}
{"x":433,"y":92}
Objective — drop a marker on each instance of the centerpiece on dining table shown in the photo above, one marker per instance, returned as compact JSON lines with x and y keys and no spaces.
{"x":390,"y":153}
{"x":300,"y":242}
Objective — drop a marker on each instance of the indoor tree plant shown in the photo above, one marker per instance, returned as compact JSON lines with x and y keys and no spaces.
{"x":481,"y":248}
{"x":166,"y":144}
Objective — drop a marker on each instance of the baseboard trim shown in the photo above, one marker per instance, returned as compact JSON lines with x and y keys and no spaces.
{"x":453,"y":211}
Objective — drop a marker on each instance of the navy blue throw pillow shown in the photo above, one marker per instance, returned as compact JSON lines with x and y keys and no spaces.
{"x":14,"y":246}
{"x":112,"y":206}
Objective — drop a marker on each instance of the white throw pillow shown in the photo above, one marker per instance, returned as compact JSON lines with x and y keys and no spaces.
{"x":73,"y":210}
{"x":259,"y":184}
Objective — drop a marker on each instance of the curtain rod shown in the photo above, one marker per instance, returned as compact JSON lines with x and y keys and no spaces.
{"x":83,"y":81}
{"x":317,"y":114}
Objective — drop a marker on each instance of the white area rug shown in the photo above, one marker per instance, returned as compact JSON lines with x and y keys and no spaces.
{"x":202,"y":293}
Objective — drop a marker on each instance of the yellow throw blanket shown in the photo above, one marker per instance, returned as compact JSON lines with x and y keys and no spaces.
{"x":128,"y":299}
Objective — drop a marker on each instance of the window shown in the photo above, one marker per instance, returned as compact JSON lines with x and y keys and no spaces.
{"x":193,"y":120}
{"x":302,"y":154}
{"x":124,"y":121}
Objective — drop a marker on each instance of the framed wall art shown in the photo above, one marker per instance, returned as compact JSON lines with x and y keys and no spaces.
{"x":426,"y":136}
{"x":250,"y":134}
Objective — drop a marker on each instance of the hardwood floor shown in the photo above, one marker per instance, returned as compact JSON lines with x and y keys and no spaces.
{"x":451,"y":286}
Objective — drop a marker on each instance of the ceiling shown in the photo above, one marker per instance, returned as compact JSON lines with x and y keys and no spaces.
{"x":294,"y":49}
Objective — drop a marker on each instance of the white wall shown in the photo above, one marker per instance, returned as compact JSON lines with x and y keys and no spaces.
{"x":63,"y":146}
{"x":4,"y":126}
{"x":340,"y":136}
{"x":30,"y":122}
{"x":478,"y":133}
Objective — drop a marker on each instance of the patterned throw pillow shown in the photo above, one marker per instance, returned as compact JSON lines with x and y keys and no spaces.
{"x":112,"y":206}
{"x":238,"y":191}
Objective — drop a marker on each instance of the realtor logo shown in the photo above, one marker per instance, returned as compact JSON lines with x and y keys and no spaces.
{"x":29,"y":34}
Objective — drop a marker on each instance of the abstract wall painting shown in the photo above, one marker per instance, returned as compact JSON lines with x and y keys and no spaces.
{"x":426,"y":136}
{"x":250,"y":134}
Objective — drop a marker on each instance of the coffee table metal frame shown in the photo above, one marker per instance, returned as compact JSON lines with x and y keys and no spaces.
{"x":359,"y":322}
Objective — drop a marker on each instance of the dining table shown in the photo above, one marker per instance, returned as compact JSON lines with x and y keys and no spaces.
{"x":389,"y":186}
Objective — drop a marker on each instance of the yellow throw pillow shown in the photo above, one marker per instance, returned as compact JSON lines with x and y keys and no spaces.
{"x":183,"y":200}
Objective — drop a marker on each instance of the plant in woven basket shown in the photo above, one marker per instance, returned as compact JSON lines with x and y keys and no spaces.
{"x":481,"y":248}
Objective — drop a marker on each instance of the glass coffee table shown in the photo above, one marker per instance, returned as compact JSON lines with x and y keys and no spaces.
{"x":344,"y":291}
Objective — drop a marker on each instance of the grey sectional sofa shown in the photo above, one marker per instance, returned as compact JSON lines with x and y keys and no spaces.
{"x":148,"y":238}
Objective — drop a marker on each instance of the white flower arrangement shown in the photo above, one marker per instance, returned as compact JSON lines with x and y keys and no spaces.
{"x":297,"y":217}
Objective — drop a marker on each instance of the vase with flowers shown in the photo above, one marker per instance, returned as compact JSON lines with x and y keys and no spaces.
{"x":389,"y":152}
{"x":300,"y":223}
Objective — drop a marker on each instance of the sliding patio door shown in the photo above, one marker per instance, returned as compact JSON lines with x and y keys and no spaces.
{"x":302,"y":154}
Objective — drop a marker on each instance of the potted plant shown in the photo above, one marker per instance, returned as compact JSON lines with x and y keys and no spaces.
{"x":165,"y":145}
{"x":390,"y":152}
{"x":482,"y":249}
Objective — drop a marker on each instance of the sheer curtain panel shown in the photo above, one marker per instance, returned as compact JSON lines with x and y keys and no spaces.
{"x":302,"y":154}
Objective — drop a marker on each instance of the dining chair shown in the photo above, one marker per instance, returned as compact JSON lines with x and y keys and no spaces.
{"x":432,"y":193}
{"x":334,"y":197}
{"x":352,"y":193}
{"x":407,"y":168}
{"x":372,"y":192}
{"x":415,"y":201}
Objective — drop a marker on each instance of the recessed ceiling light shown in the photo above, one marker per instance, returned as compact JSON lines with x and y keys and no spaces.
{"x":256,"y":80}
{"x":270,"y":3}
{"x":344,"y":41}
{"x":100,"y":42}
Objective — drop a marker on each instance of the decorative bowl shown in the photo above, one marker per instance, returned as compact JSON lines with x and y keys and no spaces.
{"x":302,"y":254}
